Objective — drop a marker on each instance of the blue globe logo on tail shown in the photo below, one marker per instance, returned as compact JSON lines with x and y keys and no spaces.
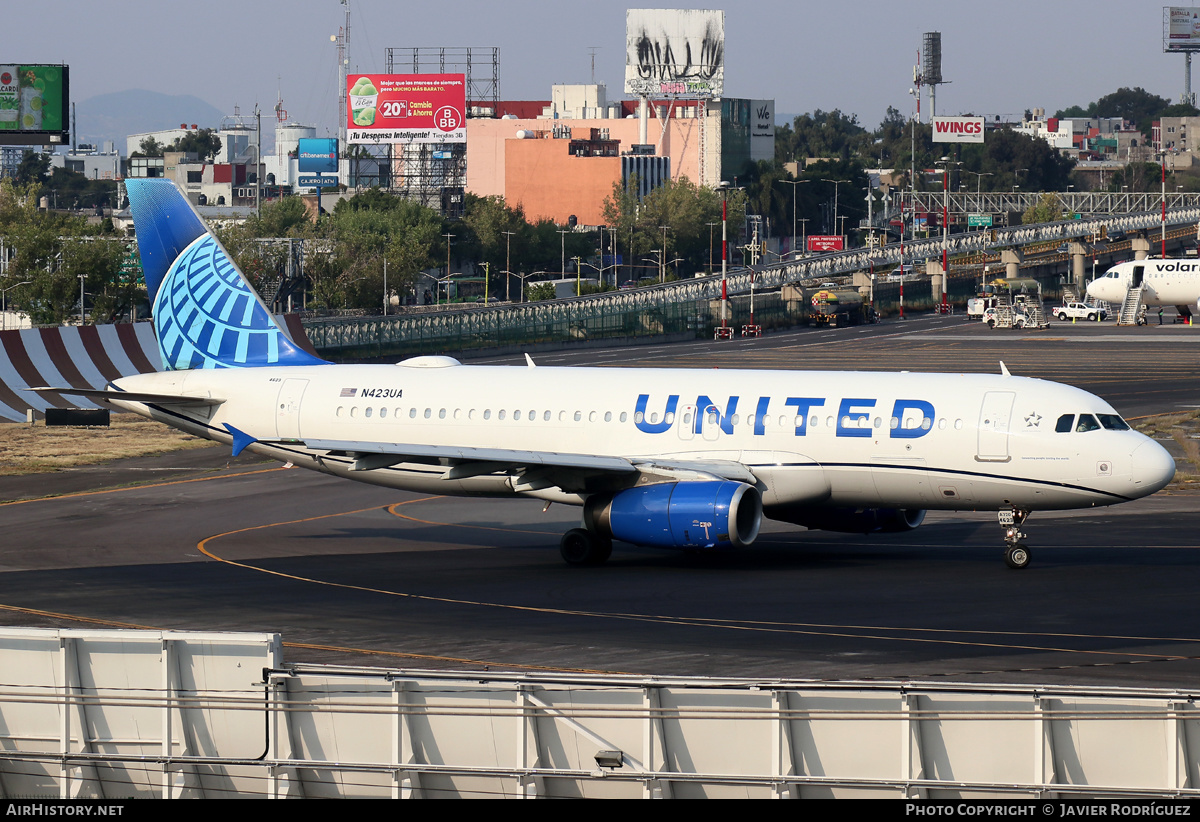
{"x":205,"y":313}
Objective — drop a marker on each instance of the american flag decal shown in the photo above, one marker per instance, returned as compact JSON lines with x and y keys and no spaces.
{"x":349,"y":392}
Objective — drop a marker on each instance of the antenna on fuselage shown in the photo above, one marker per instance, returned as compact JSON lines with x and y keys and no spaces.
{"x":529,"y":361}
{"x":1004,"y":369}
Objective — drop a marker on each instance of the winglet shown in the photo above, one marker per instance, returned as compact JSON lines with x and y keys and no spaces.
{"x":240,"y":439}
{"x":529,"y":361}
{"x":1004,"y":369}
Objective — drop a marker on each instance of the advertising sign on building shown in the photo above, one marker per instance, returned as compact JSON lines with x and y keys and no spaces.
{"x":33,"y":103}
{"x":826,"y":242}
{"x":675,"y":52}
{"x":957,"y":129}
{"x":1182,"y":29}
{"x":406,"y":108}
{"x":318,"y":154}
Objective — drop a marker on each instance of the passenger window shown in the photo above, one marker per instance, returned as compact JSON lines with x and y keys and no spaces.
{"x":487,"y":413}
{"x":592,"y":417}
{"x":383,"y":413}
{"x":1065,"y":423}
{"x":578,"y":416}
{"x":367,"y":412}
{"x":608,"y":416}
{"x":516,"y":415}
{"x":500,"y":415}
{"x":546,"y":416}
{"x":442,"y":414}
{"x":1087,"y":423}
{"x":625,"y":416}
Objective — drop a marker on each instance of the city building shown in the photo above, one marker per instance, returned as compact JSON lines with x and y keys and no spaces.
{"x":564,"y":161}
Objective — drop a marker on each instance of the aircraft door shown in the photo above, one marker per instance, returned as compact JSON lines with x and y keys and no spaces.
{"x":685,"y":422}
{"x":1138,"y":273}
{"x":994,"y":419}
{"x":710,"y":422}
{"x":287,"y":413}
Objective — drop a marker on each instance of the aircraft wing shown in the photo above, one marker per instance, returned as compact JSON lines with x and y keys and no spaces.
{"x":105,"y":394}
{"x":462,"y":462}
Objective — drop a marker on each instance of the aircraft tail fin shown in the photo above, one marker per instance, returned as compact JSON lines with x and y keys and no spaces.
{"x":206,"y":314}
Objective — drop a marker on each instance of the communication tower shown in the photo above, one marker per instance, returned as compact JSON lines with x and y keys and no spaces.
{"x":931,"y":67}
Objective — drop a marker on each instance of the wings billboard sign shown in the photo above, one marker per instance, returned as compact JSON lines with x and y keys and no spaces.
{"x":957,"y":129}
{"x":406,"y":108}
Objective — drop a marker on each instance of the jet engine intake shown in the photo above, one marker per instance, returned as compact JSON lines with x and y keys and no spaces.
{"x":707,"y":514}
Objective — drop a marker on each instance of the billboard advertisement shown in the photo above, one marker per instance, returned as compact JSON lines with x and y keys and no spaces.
{"x":675,"y":52}
{"x":826,"y":242}
{"x":406,"y":108}
{"x":33,"y":104}
{"x":1182,"y":28}
{"x":318,"y":154}
{"x":957,"y":129}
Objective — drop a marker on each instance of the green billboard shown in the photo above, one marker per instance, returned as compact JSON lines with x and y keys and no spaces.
{"x":33,"y":104}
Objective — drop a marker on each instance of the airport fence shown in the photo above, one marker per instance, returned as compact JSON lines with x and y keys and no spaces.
{"x":94,"y":714}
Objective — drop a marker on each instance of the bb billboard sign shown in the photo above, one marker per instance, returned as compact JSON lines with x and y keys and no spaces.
{"x":957,"y":129}
{"x":406,"y":108}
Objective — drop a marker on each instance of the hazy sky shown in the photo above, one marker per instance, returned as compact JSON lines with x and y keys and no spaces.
{"x":1002,"y":57}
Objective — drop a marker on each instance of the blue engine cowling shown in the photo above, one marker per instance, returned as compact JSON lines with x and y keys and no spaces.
{"x":851,"y":520}
{"x":710,"y":514}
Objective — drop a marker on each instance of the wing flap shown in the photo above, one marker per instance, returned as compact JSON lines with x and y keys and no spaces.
{"x":497,"y":457}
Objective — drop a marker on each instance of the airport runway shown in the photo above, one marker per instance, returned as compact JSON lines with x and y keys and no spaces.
{"x":353,"y":574}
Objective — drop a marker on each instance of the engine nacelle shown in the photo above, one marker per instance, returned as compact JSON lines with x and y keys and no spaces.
{"x":710,"y":514}
{"x":852,"y":520}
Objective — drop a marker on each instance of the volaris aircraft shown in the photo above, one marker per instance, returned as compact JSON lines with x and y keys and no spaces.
{"x":1163,"y":282}
{"x":676,"y":458}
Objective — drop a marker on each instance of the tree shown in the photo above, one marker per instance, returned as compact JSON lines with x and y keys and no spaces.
{"x":34,"y":168}
{"x":149,"y":147}
{"x":1048,"y":209}
{"x":204,"y":143}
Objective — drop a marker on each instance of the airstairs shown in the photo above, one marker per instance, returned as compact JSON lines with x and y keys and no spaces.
{"x":1132,"y":310}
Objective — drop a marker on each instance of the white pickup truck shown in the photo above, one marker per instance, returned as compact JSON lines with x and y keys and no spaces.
{"x":1079,"y":311}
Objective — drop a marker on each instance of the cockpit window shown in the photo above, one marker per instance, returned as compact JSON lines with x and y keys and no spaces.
{"x":1087,"y":423}
{"x":1113,"y":422}
{"x":1065,"y":423}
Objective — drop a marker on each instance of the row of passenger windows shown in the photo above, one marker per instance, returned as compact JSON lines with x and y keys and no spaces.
{"x":1090,"y":422}
{"x":713,"y":418}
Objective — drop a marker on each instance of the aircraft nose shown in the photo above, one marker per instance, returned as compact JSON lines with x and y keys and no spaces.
{"x":1153,"y":467}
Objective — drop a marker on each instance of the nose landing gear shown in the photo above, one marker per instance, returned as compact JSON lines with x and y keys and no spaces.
{"x":1016,"y":553}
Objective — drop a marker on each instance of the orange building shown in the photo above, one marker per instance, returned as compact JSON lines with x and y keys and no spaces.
{"x":556,"y":177}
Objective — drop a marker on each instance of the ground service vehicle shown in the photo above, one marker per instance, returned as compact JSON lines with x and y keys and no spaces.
{"x":833,"y":307}
{"x":1080,"y":311}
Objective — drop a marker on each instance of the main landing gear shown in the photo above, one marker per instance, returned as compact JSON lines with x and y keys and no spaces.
{"x":580,"y":546}
{"x":1016,"y":553}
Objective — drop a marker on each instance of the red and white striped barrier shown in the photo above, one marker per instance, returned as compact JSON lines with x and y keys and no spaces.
{"x":88,"y":356}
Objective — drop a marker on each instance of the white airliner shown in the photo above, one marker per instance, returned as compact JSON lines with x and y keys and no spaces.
{"x":1163,"y":282}
{"x":676,"y":458}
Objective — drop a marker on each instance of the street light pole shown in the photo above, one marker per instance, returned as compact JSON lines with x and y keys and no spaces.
{"x":793,"y":184}
{"x":507,"y":262}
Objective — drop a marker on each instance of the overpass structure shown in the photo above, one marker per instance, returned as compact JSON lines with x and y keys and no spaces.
{"x":572,"y":318}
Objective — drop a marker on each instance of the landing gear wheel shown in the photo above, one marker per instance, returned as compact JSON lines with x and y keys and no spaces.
{"x":580,"y":546}
{"x":1016,"y":556}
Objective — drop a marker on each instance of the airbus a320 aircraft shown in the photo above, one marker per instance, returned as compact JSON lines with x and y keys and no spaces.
{"x":676,"y":458}
{"x":1163,"y":282}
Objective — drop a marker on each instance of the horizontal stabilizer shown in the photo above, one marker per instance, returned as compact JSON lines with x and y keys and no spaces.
{"x":105,"y":394}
